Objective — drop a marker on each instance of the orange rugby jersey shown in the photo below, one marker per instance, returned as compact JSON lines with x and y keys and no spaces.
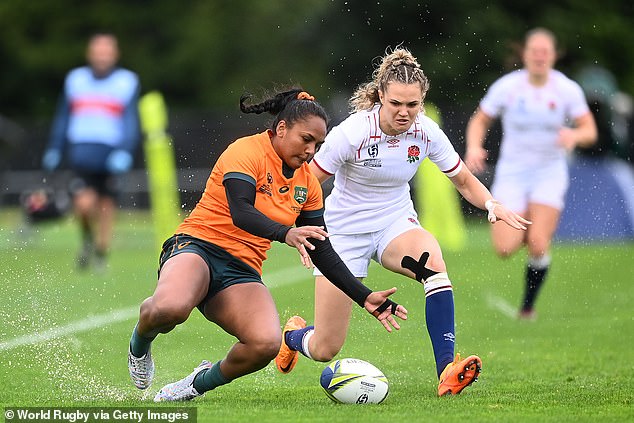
{"x":279,"y":198}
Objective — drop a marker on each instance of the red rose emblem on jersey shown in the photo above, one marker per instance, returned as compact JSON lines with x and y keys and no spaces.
{"x":412,"y":153}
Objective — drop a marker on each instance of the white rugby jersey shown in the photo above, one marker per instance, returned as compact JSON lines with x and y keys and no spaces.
{"x":532,"y":117}
{"x":372,"y":169}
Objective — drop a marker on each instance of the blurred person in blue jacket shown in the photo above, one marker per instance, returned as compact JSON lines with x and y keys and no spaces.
{"x":96,"y":130}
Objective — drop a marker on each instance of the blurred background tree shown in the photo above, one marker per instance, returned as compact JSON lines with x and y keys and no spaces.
{"x":202,"y":55}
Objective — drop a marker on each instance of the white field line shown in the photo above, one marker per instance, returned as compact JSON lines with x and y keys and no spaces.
{"x":283,"y":277}
{"x":88,"y":323}
{"x":499,"y":304}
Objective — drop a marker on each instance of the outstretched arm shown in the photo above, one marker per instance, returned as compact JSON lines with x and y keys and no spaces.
{"x":477,"y":194}
{"x":310,"y":239}
{"x":334,"y":269}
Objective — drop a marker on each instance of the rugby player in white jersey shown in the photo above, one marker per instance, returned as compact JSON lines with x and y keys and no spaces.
{"x":370,"y":216}
{"x":544,"y":115}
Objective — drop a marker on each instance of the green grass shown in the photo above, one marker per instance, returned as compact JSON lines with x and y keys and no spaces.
{"x":575,"y":363}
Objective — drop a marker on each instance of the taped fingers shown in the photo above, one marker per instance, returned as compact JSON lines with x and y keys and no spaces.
{"x":388,"y":303}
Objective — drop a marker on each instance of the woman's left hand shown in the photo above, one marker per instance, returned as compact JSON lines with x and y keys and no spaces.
{"x":380,"y":306}
{"x":514,"y":220}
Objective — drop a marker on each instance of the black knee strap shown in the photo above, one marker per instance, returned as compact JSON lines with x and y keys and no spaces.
{"x":418,"y":267}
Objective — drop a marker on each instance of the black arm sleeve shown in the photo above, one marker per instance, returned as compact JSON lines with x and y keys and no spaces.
{"x":330,"y":264}
{"x":241,"y":198}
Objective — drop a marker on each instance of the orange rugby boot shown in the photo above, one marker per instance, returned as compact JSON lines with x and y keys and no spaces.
{"x":459,"y":374}
{"x":287,"y":358}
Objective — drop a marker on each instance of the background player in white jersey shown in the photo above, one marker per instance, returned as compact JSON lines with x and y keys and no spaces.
{"x":369,"y":214}
{"x":536,"y":104}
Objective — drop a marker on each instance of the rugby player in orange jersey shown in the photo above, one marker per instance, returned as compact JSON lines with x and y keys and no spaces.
{"x":260,"y":190}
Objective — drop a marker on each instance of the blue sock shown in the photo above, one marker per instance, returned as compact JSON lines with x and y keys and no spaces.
{"x":139,"y":345}
{"x":209,"y":379}
{"x":439,"y":315}
{"x":294,"y":339}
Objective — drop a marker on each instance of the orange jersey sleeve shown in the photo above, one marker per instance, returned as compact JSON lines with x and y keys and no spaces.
{"x":279,"y":198}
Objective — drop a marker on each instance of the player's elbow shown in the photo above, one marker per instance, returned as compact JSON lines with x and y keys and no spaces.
{"x":240,"y":222}
{"x":593,"y":137}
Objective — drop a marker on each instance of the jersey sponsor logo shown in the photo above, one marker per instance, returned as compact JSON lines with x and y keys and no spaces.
{"x":413,"y":153}
{"x":373,"y":150}
{"x":183,"y":245}
{"x":265,"y":189}
{"x":300,"y":194}
{"x":284,"y":189}
{"x":393,"y":143}
{"x":269,"y":178}
{"x":372,"y":163}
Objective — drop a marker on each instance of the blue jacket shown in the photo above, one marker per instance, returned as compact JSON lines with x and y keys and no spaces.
{"x":95,"y":117}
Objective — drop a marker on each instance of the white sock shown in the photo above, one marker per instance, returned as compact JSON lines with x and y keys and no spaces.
{"x":539,"y":263}
{"x":305,"y":350}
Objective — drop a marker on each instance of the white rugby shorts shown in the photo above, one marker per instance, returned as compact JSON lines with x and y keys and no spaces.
{"x":356,"y":250}
{"x":545,"y":185}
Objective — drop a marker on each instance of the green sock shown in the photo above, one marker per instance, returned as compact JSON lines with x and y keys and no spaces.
{"x":139,"y":345}
{"x":209,"y":379}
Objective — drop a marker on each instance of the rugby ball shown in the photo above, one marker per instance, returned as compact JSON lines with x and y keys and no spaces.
{"x":354,"y":381}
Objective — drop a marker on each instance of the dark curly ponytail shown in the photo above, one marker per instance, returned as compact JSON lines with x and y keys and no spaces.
{"x":289,"y":106}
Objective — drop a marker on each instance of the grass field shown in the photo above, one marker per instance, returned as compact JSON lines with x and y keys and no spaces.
{"x":64,"y":335}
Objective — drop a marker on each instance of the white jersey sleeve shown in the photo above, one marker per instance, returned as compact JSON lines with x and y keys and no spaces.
{"x":493,"y":103}
{"x":442,"y":152}
{"x":577,"y":103}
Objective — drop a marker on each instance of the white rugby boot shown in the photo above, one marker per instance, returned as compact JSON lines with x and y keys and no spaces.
{"x":141,"y":369}
{"x":183,"y":390}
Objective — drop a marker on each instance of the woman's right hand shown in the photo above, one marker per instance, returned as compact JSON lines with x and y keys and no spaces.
{"x":298,"y":238}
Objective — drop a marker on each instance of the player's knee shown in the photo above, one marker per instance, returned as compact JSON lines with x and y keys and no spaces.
{"x":162,"y":313}
{"x":504,"y":250}
{"x":426,"y":266}
{"x":538,"y":247}
{"x":324,"y":352}
{"x":85,"y":203}
{"x":264,"y":349}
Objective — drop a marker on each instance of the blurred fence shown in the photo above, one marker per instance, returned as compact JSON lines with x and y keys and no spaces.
{"x":133,"y":186}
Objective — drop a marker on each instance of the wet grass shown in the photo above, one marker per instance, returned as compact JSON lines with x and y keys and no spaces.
{"x":574,"y":363}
